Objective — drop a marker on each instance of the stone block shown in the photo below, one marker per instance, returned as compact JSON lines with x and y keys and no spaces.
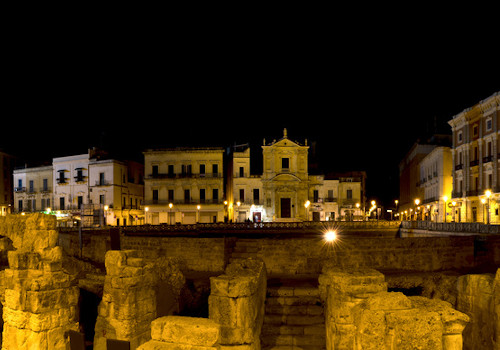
{"x":415,"y":329}
{"x":185,"y":330}
{"x":234,"y":286}
{"x":387,"y":301}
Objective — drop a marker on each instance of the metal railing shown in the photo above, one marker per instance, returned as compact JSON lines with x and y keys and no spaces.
{"x":458,"y":227}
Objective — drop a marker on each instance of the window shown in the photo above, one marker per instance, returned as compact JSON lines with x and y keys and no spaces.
{"x":488,"y":124}
{"x":20,"y":183}
{"x":79,"y":175}
{"x":315,"y":196}
{"x":215,"y":169}
{"x":215,"y":195}
{"x":285,"y":163}
{"x":80,"y":202}
{"x":330,"y":195}
{"x":475,"y":130}
{"x":45,"y":185}
{"x":32,"y":186}
{"x":202,"y":195}
{"x":155,"y":196}
{"x":187,"y":196}
{"x":202,"y":169}
{"x":242,"y":195}
{"x":61,"y":203}
{"x":460,"y":135}
{"x":101,"y":199}
{"x":256,"y":195}
{"x":171,"y":170}
{"x":34,"y":205}
{"x":20,"y":205}
{"x":171,"y":195}
{"x":62,"y":179}
{"x":43,"y":204}
{"x":349,"y":194}
{"x":155,"y":170}
{"x":242,"y":171}
{"x":101,"y":179}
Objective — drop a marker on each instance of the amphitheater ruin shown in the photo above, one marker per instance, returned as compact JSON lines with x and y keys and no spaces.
{"x":244,"y":288}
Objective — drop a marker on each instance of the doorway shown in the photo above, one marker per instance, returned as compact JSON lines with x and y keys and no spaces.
{"x":286,"y":208}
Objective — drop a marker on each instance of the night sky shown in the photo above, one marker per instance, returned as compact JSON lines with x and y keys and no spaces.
{"x":363,"y":103}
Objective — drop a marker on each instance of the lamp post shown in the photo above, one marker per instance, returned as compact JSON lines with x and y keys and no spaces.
{"x":146,"y":214}
{"x":198,"y":207}
{"x":306,"y":205}
{"x":417,"y":202}
{"x":445,"y":199}
{"x":488,"y":195}
{"x":170,"y":205}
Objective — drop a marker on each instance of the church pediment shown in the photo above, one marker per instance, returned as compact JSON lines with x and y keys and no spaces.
{"x":286,"y":177}
{"x":285,"y":142}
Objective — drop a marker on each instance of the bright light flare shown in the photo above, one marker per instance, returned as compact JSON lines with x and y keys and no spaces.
{"x":330,"y":236}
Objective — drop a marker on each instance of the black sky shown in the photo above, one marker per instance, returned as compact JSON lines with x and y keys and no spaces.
{"x":363,"y":101}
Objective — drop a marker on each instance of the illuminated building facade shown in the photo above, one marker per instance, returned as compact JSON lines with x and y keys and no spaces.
{"x":475,"y":162}
{"x":285,"y":191}
{"x":108,"y":191}
{"x":436,"y":183}
{"x":184,"y":185}
{"x":33,"y":189}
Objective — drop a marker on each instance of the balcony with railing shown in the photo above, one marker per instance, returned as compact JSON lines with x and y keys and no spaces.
{"x":156,"y":176}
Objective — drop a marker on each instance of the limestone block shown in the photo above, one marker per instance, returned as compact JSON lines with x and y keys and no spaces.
{"x":415,"y":329}
{"x":387,"y":301}
{"x":185,"y":330}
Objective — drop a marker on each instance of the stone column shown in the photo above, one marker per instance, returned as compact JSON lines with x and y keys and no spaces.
{"x":236,"y":302}
{"x":341,"y":290}
{"x":129,"y":302}
{"x":41,"y":299}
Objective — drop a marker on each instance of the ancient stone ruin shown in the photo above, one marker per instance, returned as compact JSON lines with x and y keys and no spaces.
{"x":40,"y":300}
{"x":268,"y":296}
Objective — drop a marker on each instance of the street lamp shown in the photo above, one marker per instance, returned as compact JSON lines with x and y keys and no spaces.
{"x":146,"y":214}
{"x":445,"y":199}
{"x":198,"y":207}
{"x":488,"y":195}
{"x":417,"y":202}
{"x":454,"y":211}
{"x":170,"y":205}
{"x":306,"y":205}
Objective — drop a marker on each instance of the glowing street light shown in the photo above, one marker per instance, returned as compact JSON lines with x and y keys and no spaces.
{"x":170,"y":205}
{"x":330,"y":236}
{"x":306,"y":205}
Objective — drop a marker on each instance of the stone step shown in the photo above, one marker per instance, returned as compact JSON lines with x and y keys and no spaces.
{"x":303,"y":310}
{"x":295,"y":341}
{"x":294,"y":320}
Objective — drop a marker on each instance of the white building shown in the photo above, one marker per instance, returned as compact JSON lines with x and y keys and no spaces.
{"x":184,"y":185}
{"x":87,"y":187}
